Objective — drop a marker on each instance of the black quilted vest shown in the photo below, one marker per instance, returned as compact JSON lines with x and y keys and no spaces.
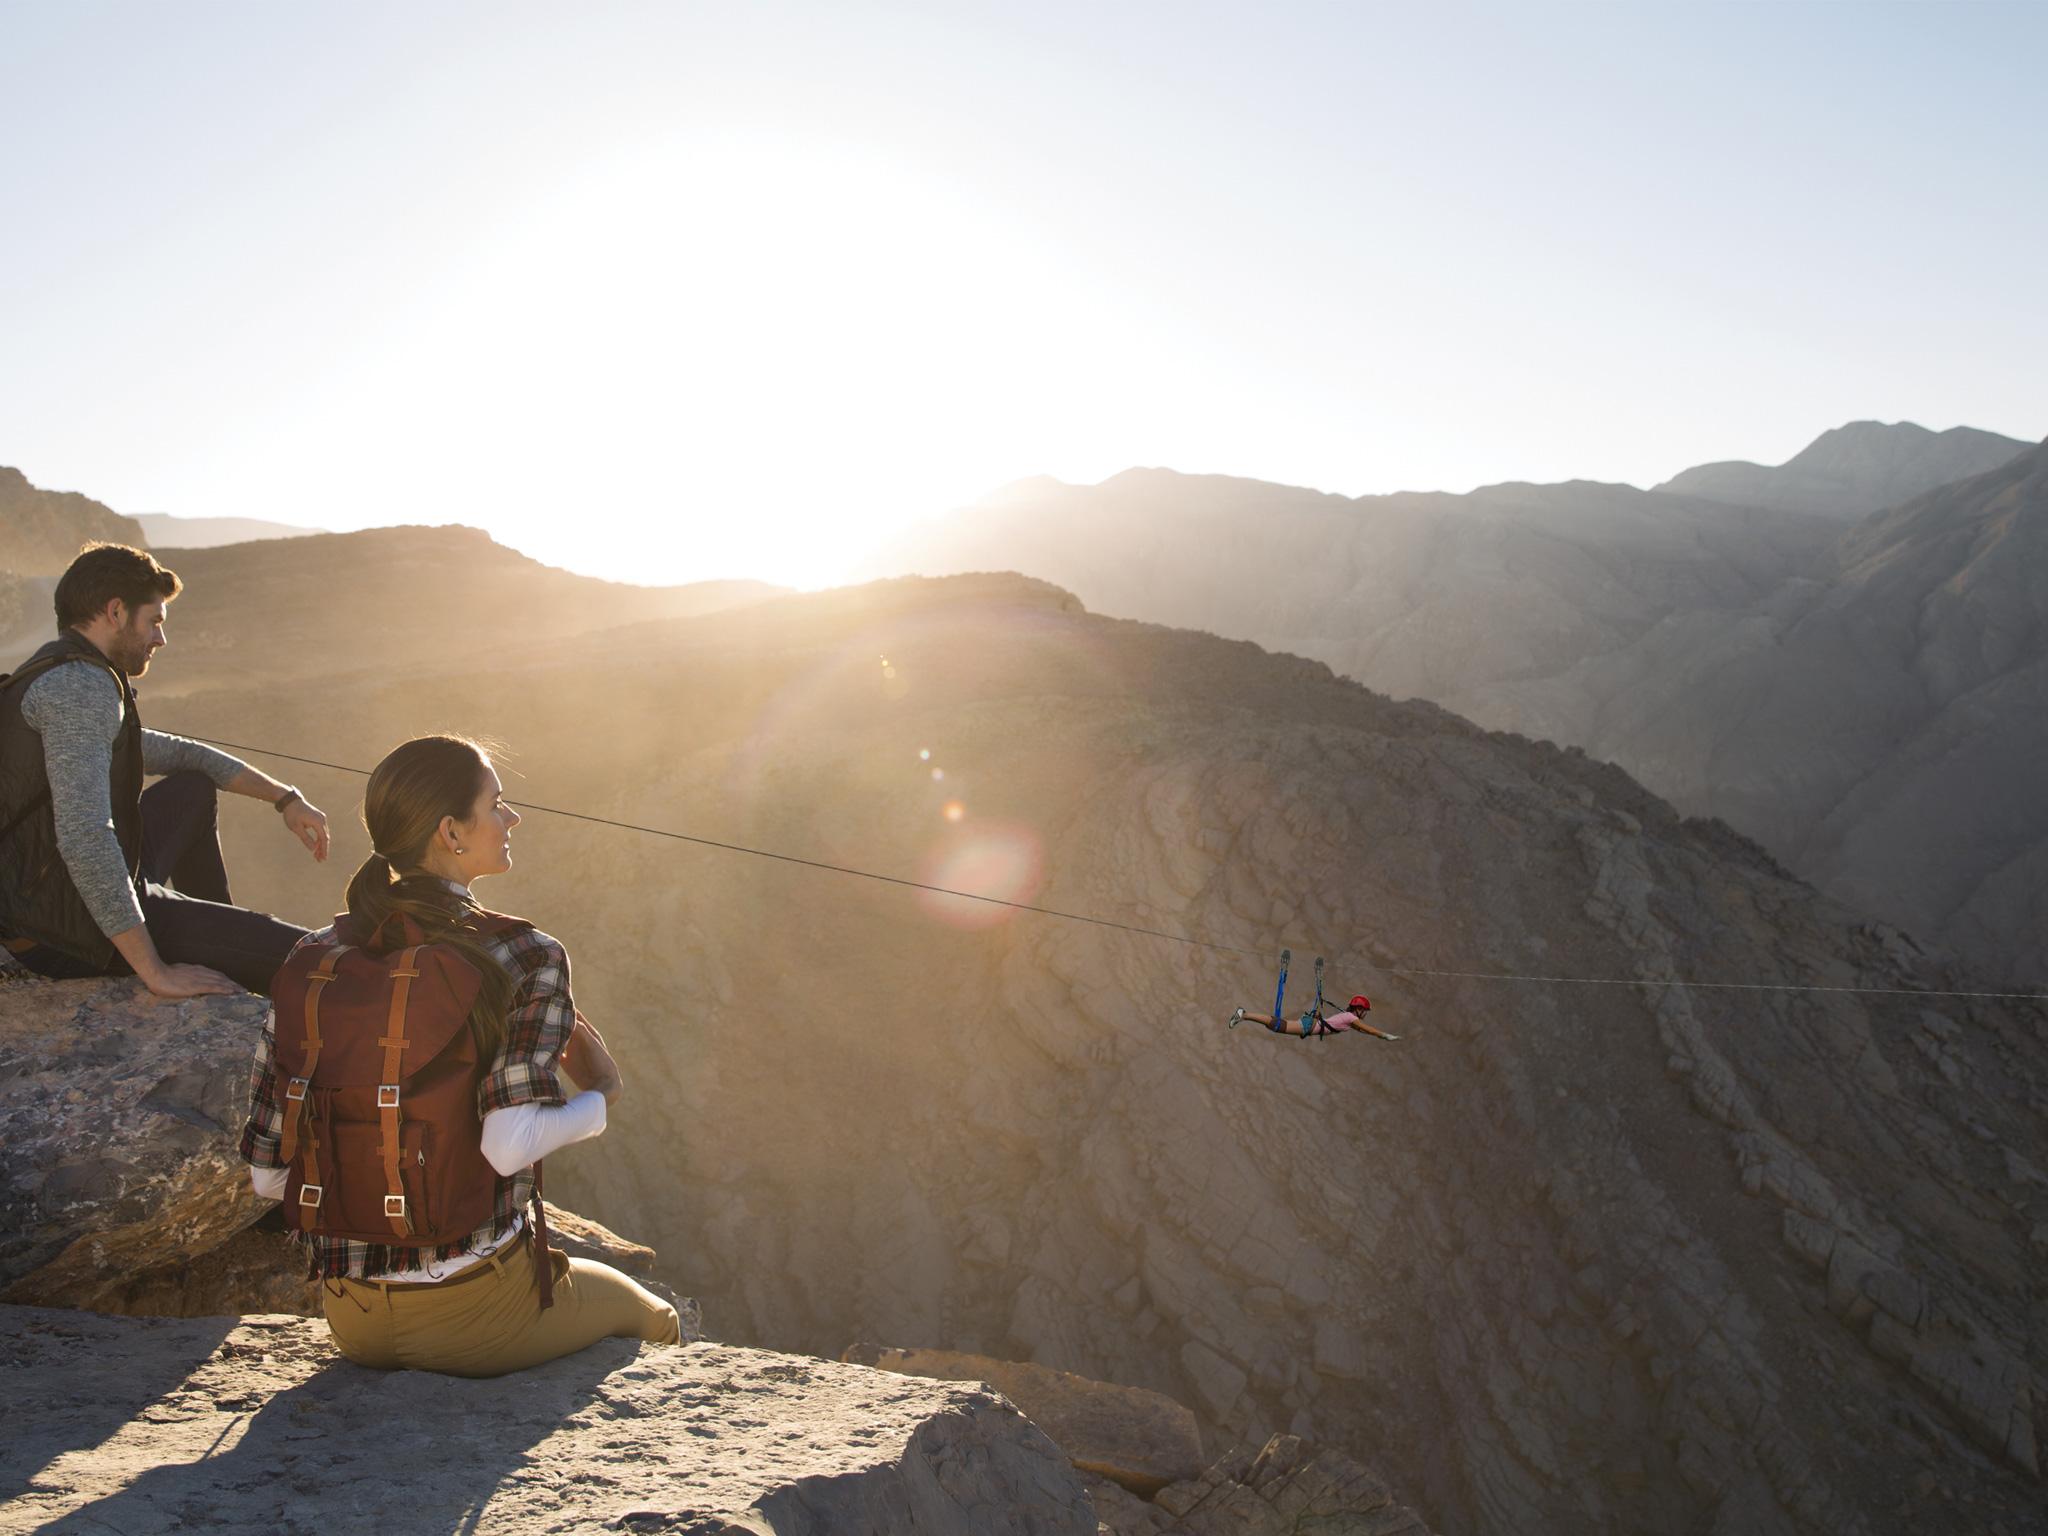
{"x":37,"y":899}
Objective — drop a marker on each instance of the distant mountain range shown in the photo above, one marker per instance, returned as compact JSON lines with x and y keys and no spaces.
{"x":356,"y":601}
{"x":1853,"y":470}
{"x":167,"y":532}
{"x":1848,"y":691}
{"x":390,"y":598}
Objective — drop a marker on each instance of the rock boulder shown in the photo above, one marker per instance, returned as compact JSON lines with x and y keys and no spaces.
{"x":1137,"y":1439}
{"x":119,"y":1116}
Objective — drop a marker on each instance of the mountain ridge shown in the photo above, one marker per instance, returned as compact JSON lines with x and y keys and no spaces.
{"x":45,"y":528}
{"x":1852,"y":470}
{"x":1643,"y":626}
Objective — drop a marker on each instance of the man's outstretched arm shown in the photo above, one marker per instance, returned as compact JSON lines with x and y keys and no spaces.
{"x":165,"y":753}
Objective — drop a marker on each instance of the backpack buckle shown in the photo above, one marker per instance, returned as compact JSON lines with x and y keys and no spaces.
{"x":310,"y":1195}
{"x":295,"y":1091}
{"x":387,"y":1095}
{"x":394,"y":1205}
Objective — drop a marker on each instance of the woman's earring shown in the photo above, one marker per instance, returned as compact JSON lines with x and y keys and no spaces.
{"x":458,"y":847}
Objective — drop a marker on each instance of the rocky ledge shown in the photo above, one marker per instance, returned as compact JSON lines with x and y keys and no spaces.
{"x":158,"y":1424}
{"x":121,"y":1192}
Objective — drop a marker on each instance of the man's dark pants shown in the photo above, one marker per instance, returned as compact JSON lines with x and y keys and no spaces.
{"x":196,"y":923}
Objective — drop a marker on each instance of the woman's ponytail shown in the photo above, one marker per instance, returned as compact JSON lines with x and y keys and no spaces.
{"x":369,"y":893}
{"x":411,"y":790}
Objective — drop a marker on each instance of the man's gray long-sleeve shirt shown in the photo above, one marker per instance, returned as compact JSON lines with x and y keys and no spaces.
{"x":77,"y":710}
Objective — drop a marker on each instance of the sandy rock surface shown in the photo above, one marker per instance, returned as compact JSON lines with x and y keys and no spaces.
{"x":1137,"y":1439}
{"x":136,"y":1424}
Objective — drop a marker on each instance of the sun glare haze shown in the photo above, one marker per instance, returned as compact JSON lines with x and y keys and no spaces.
{"x":668,"y":293}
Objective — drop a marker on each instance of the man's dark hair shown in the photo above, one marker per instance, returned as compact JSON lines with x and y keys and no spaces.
{"x":103,"y":572}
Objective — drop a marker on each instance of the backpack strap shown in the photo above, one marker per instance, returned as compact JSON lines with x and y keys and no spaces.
{"x":543,"y":1260}
{"x":404,"y":972}
{"x":299,"y":1088}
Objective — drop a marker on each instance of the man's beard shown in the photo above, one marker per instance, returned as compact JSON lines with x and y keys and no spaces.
{"x":130,"y":652}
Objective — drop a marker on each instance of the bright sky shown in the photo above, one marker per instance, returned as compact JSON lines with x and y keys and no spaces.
{"x":673,"y":291}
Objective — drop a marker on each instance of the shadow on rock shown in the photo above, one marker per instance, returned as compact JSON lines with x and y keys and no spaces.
{"x":247,"y":1441}
{"x":104,"y":1384}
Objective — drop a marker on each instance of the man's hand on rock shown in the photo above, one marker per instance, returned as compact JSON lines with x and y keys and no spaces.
{"x":188,"y":981}
{"x":308,"y":823}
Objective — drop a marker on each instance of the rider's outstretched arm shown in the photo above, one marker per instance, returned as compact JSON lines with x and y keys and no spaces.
{"x":1350,"y":1020}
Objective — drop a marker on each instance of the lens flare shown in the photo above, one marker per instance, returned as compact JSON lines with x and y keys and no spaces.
{"x":954,"y":810}
{"x":924,"y":754}
{"x":938,"y":775}
{"x":1004,"y":862}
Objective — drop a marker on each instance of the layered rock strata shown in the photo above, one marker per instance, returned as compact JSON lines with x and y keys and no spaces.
{"x":1286,"y":1488}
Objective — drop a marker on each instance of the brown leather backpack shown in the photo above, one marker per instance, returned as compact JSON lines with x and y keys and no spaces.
{"x":379,"y":1068}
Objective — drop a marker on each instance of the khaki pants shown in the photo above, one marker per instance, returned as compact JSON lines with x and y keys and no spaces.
{"x":488,"y":1322}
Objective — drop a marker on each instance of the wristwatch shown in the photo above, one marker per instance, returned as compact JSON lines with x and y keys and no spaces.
{"x":290,"y":794}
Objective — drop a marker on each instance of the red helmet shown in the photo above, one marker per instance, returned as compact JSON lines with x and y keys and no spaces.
{"x":1361,"y":1005}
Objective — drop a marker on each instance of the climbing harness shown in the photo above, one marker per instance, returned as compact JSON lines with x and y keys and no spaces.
{"x":1312,"y":1022}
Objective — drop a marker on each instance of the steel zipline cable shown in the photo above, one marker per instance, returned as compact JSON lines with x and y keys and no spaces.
{"x":1160,"y":933}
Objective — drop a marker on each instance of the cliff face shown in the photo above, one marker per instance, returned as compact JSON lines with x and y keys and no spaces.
{"x":1881,"y":726}
{"x":1612,"y":1257}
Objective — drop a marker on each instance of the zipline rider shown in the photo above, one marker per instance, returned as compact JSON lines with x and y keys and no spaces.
{"x":98,"y":876}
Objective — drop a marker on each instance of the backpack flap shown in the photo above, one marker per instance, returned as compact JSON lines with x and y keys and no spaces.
{"x":380,"y":1069}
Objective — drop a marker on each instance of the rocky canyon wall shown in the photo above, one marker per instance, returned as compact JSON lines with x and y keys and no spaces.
{"x":1621,"y":1257}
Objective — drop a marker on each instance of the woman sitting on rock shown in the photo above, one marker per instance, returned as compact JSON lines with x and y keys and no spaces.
{"x":415,"y":1207}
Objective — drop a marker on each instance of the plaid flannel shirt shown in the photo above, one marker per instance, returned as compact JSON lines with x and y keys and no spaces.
{"x":537,"y":1026}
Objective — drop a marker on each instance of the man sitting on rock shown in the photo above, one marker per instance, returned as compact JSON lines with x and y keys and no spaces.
{"x":98,"y":876}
